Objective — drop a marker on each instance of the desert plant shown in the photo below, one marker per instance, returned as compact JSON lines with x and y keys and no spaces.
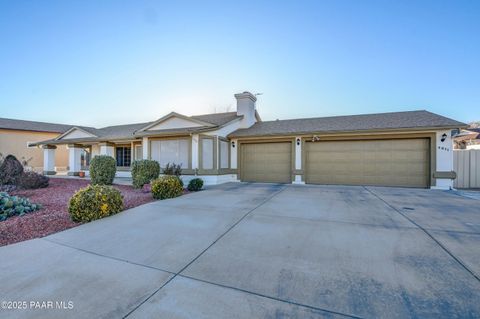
{"x":32,"y":180}
{"x":26,"y":162}
{"x":173,"y":169}
{"x":195,"y":185}
{"x":144,"y":171}
{"x":102,"y":170}
{"x":10,"y":170}
{"x":166,"y":187}
{"x":15,"y":205}
{"x":8,"y":188}
{"x":95,"y":202}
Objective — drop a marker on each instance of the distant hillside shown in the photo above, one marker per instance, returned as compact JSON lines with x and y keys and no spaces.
{"x":475,"y":124}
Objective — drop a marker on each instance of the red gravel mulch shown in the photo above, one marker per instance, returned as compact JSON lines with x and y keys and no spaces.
{"x":54,"y":217}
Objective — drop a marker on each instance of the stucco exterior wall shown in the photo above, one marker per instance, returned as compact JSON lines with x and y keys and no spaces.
{"x":444,"y":154}
{"x":15,"y":142}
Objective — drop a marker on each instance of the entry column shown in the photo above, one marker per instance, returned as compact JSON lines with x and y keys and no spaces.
{"x":298,"y":172}
{"x":74,"y":159}
{"x":49,"y":159}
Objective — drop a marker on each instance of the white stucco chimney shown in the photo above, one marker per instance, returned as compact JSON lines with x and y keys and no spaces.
{"x":246,"y":107}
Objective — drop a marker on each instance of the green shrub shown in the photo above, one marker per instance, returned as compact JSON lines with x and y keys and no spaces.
{"x":95,"y":202}
{"x":144,"y":171}
{"x":102,"y":170}
{"x":174,"y":170}
{"x":195,"y":185}
{"x":166,"y":187}
{"x":15,"y":205}
{"x":32,"y":180}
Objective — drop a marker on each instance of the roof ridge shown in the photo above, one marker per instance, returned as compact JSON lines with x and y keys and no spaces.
{"x":139,"y":123}
{"x":41,"y":122}
{"x":351,"y":115}
{"x":213,"y":113}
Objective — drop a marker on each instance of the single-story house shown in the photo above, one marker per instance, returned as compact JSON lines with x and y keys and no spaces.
{"x":411,"y":149}
{"x":16,"y":135}
{"x":467,"y":139}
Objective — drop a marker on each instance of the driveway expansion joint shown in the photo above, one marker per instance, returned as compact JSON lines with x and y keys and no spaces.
{"x":293,"y":303}
{"x":105,"y":256}
{"x":458,"y":260}
{"x":209,"y":246}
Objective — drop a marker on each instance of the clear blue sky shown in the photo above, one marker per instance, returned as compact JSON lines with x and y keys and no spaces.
{"x":112,"y":62}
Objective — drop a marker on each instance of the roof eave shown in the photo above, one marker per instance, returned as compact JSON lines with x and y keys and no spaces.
{"x":177,"y":133}
{"x":302,"y":133}
{"x":29,"y":130}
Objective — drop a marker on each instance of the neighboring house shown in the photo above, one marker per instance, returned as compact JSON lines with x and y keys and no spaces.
{"x":467,"y":139}
{"x":412,"y":149}
{"x":15,"y":135}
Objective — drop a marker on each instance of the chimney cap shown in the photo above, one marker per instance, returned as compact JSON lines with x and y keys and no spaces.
{"x":245,"y":95}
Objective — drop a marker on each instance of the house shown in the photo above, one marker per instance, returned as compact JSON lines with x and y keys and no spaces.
{"x":411,"y":149}
{"x":16,"y":135}
{"x":467,"y":139}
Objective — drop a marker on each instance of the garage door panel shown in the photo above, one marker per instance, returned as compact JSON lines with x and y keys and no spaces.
{"x":402,"y":162}
{"x":266,"y":162}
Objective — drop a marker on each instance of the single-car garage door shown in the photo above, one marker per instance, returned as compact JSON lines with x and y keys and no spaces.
{"x":398,"y":162}
{"x":266,"y":162}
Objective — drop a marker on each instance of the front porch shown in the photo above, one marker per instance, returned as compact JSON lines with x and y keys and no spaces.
{"x":212,"y":158}
{"x":80,"y":154}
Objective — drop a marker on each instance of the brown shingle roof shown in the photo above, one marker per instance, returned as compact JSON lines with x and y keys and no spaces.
{"x":217,"y":118}
{"x":128,"y":131}
{"x":351,"y":123}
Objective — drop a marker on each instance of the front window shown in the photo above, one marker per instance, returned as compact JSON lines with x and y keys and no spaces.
{"x":171,"y":151}
{"x":207,"y":153}
{"x":123,"y":156}
{"x":138,"y":152}
{"x":224,"y":148}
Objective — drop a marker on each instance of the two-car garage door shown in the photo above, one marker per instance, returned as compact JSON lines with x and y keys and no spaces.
{"x":394,"y":162}
{"x":398,"y":162}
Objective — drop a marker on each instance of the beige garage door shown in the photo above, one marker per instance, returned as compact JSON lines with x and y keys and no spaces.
{"x":266,"y":162}
{"x":403,"y":162}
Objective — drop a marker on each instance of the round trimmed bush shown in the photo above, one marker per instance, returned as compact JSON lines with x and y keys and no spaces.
{"x":95,"y":202}
{"x":166,"y":187}
{"x":102,"y":170}
{"x":144,"y":171}
{"x":195,"y":185}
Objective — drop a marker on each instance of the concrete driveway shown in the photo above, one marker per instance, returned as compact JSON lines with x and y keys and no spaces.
{"x":259,"y":251}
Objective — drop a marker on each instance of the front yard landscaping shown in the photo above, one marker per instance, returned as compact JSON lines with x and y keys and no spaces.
{"x":53,"y":216}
